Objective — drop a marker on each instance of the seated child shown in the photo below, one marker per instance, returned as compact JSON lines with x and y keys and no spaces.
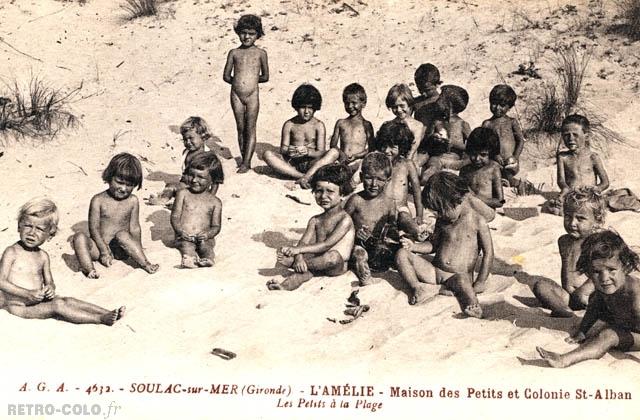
{"x":501,"y":99}
{"x":395,"y":138}
{"x":433,"y":151}
{"x":457,"y":128}
{"x":374,"y":218}
{"x":584,"y":213}
{"x":114,"y":226}
{"x":303,"y":136}
{"x":195,"y":132}
{"x":427,"y":78}
{"x":197,"y":212}
{"x":483,"y":173}
{"x":400,"y":101}
{"x":26,"y":285}
{"x":352,"y":136}
{"x":579,"y":166}
{"x":608,"y":262}
{"x":326,"y":245}
{"x":460,"y":234}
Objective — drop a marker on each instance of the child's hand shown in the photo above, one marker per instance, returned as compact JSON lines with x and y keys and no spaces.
{"x":49,"y":291}
{"x":299,"y":264}
{"x":35,"y":296}
{"x":106,"y":259}
{"x":302,"y":151}
{"x":406,"y":243}
{"x":200,"y":237}
{"x":363,"y":233}
{"x":576,"y":338}
{"x":511,"y":162}
{"x":500,"y":160}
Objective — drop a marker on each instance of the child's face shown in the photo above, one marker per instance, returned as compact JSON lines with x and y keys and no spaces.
{"x":305,"y":112}
{"x":392,"y":151}
{"x":353,"y":104}
{"x":119,"y":188}
{"x":401,"y":109}
{"x":327,"y":194}
{"x":499,"y":110}
{"x":192,"y":140}
{"x":426,"y":88}
{"x":199,"y":180}
{"x":579,"y":223}
{"x":373,"y":182}
{"x":479,"y":158}
{"x":248,"y":37}
{"x":450,"y":215}
{"x":34,"y":231}
{"x":573,"y":136}
{"x":607,"y":274}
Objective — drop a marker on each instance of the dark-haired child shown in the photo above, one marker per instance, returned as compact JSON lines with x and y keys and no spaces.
{"x":394,"y":138}
{"x":460,"y":234}
{"x":579,"y":166}
{"x":584,"y":212}
{"x":197,"y":212}
{"x":303,"y":136}
{"x":457,"y":128}
{"x":326,"y":245}
{"x":608,"y":262}
{"x":374,"y":218}
{"x":400,"y":101}
{"x":246,"y":66}
{"x":427,"y":78}
{"x":501,"y":99}
{"x":114,"y":224}
{"x":483,"y":173}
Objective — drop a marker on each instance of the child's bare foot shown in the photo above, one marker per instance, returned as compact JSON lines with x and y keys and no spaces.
{"x":243,"y":169}
{"x":420,"y":295}
{"x":553,"y":359}
{"x":93,"y":274}
{"x":110,"y":317}
{"x":474,"y":311}
{"x":120,"y":311}
{"x":304,"y":183}
{"x":290,"y":283}
{"x":188,"y":261}
{"x":479,"y":286}
{"x":205,"y":262}
{"x":363,"y":272}
{"x":283,"y":259}
{"x":564,"y":313}
{"x":150,"y":268}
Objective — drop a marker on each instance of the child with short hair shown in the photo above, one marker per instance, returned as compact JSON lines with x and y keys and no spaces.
{"x":400,"y":101}
{"x":483,"y":173}
{"x":460,"y":234}
{"x":608,"y":262}
{"x":584,"y":213}
{"x":27,"y":289}
{"x":579,"y":166}
{"x":326,"y":245}
{"x":303,"y":136}
{"x":374,"y":218}
{"x":195,"y":132}
{"x":114,"y":220}
{"x":394,"y":139}
{"x":457,"y":128}
{"x":197,"y":212}
{"x":352,"y":136}
{"x":501,"y":99}
{"x":427,"y":78}
{"x":246,"y":67}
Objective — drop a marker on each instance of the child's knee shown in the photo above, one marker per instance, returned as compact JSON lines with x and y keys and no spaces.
{"x":123,"y":237}
{"x":80,"y":239}
{"x":610,"y":337}
{"x":402,"y":255}
{"x":334,"y":259}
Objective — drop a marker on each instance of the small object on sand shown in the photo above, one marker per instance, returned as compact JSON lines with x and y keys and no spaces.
{"x":297,"y":200}
{"x":235,"y":196}
{"x":353,"y":298}
{"x":520,"y":213}
{"x":223,"y":354}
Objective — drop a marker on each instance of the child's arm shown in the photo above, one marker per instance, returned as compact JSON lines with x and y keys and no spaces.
{"x":215,"y":224}
{"x":49,"y":287}
{"x":134,"y":220}
{"x":8,"y":258}
{"x":321,"y":141}
{"x":594,"y":309}
{"x":335,"y":137}
{"x":371,"y":137}
{"x":321,"y":247}
{"x":518,"y":138}
{"x":414,"y":181}
{"x":567,"y":273}
{"x":497,"y":196}
{"x":228,"y":68}
{"x":486,"y":245}
{"x":417,"y":247}
{"x":176,"y":216}
{"x":598,"y":169}
{"x":285,"y":138}
{"x":264,"y":67}
{"x":94,"y":231}
{"x":466,"y":130}
{"x":562,"y":183}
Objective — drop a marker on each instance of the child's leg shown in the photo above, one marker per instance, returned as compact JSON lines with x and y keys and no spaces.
{"x":239,"y":110}
{"x":328,"y":158}
{"x":86,"y":252}
{"x":205,"y":253}
{"x":188,"y":253}
{"x":278,"y":164}
{"x":461,"y":284}
{"x":361,"y":265}
{"x":252,"y":106}
{"x":594,"y":347}
{"x":415,"y":271}
{"x":134,"y":249}
{"x":66,"y":310}
{"x":554,"y":297}
{"x":408,"y":224}
{"x":330,"y":263}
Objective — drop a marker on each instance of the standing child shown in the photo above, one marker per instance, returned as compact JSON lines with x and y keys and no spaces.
{"x":483,"y":173}
{"x":608,"y":262}
{"x":352,"y":137}
{"x":326,"y":245}
{"x":579,"y":166}
{"x":246,"y":66}
{"x":114,"y":224}
{"x":303,"y":136}
{"x":374,"y":218}
{"x":460,"y":234}
{"x":501,"y":99}
{"x":584,"y":213}
{"x":27,"y":289}
{"x":457,"y":128}
{"x":197,"y":212}
{"x":400,"y":101}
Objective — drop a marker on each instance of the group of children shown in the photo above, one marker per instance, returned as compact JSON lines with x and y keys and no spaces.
{"x":412,"y":158}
